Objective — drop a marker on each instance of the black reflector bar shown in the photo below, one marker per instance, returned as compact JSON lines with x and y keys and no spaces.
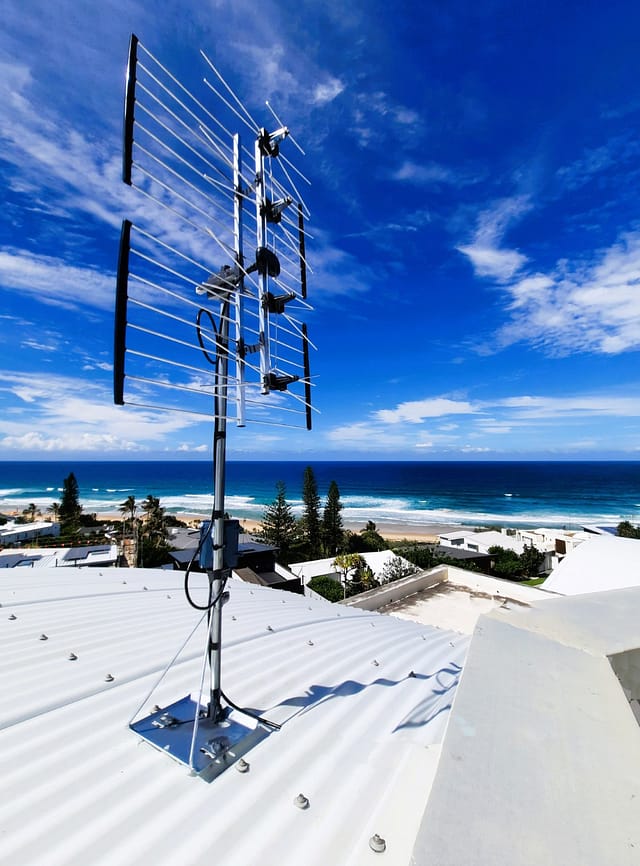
{"x":119,"y":345}
{"x":129,"y":103}
{"x":307,"y":375}
{"x":303,"y":263}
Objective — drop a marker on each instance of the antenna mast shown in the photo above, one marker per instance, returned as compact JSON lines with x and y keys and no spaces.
{"x":174,"y":352}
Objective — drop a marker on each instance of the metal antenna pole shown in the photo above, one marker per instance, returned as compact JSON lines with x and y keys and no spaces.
{"x":218,"y":575}
{"x":261,"y":240}
{"x":237,"y":237}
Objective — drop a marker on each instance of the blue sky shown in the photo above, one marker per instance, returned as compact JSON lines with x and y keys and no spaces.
{"x":476,"y":228}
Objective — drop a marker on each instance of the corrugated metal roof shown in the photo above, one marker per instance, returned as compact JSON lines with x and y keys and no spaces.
{"x":363,"y":700}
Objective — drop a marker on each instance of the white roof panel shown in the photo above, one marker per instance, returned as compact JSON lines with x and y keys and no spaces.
{"x":360,"y":734}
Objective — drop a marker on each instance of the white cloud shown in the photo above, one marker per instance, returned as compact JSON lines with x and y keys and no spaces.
{"x":51,"y":280}
{"x":594,"y":405}
{"x":488,"y":257}
{"x":45,"y":412}
{"x":585,"y":307}
{"x":429,"y":172}
{"x":415,"y":411}
{"x":327,"y":91}
{"x":493,"y":262}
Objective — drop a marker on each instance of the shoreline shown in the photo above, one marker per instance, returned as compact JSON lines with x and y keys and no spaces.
{"x":427,"y":532}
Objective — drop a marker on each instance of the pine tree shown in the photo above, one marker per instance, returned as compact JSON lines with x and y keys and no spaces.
{"x":279,"y":526}
{"x":311,"y":515}
{"x":70,"y":508}
{"x":332,"y":534}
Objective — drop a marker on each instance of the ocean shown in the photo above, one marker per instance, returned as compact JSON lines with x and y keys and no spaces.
{"x":522,"y":494}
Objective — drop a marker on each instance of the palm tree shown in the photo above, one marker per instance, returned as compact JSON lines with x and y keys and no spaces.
{"x":128,"y":509}
{"x":54,"y":510}
{"x":31,"y":511}
{"x":154,"y":547}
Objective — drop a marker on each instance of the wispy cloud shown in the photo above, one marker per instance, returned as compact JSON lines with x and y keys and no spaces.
{"x":431,"y":173}
{"x":616,"y":154}
{"x":415,"y":411}
{"x":53,"y":281}
{"x":75,"y":414}
{"x":584,"y":307}
{"x":327,"y":91}
{"x":583,"y":405}
{"x":486,"y":251}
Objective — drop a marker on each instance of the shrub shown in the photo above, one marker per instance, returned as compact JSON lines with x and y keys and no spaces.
{"x":327,"y":587}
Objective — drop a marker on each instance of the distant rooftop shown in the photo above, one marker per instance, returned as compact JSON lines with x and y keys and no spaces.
{"x":600,"y":563}
{"x":446,"y":597}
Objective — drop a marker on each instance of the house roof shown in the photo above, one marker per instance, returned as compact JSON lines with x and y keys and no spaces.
{"x":599,"y":563}
{"x":376,"y":560}
{"x":541,"y":759}
{"x":46,"y":557}
{"x":362,"y":699}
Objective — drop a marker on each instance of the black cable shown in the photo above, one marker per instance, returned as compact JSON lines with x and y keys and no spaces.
{"x":201,"y":341}
{"x":251,"y":715}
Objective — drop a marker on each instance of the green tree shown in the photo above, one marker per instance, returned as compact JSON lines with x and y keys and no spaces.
{"x":154,"y":547}
{"x":128,"y":510}
{"x":30,"y":512}
{"x":332,"y":532}
{"x":355,"y":574}
{"x":421,"y":555}
{"x":327,"y":587}
{"x":368,"y":539}
{"x":396,"y":568}
{"x":279,"y":526}
{"x":627,"y":530}
{"x":54,"y":511}
{"x":531,"y":560}
{"x":505,"y":563}
{"x":70,"y":508}
{"x":310,"y":522}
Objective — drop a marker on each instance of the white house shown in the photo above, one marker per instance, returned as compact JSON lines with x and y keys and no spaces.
{"x":600,"y":563}
{"x":17,"y":533}
{"x":376,"y":560}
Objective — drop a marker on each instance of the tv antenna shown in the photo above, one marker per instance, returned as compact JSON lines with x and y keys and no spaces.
{"x":208,"y":323}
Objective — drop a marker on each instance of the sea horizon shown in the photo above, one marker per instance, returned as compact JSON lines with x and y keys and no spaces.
{"x":525,"y":493}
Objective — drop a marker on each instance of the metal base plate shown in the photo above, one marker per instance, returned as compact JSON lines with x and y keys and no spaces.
{"x":218,"y":745}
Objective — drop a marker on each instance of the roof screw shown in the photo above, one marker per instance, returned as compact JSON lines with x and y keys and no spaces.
{"x":412,"y":673}
{"x":124,"y":582}
{"x":109,"y":678}
{"x":233,"y":618}
{"x":145,"y":588}
{"x":12,"y":616}
{"x":156,"y":708}
{"x":301,"y":802}
{"x":72,"y":657}
{"x":269,"y":628}
{"x":43,"y":636}
{"x":168,"y":596}
{"x":375,"y":663}
{"x":309,"y":643}
{"x":377,"y":844}
{"x":242,"y":766}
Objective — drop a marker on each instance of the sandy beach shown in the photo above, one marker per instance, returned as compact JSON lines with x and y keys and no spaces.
{"x":428,"y":532}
